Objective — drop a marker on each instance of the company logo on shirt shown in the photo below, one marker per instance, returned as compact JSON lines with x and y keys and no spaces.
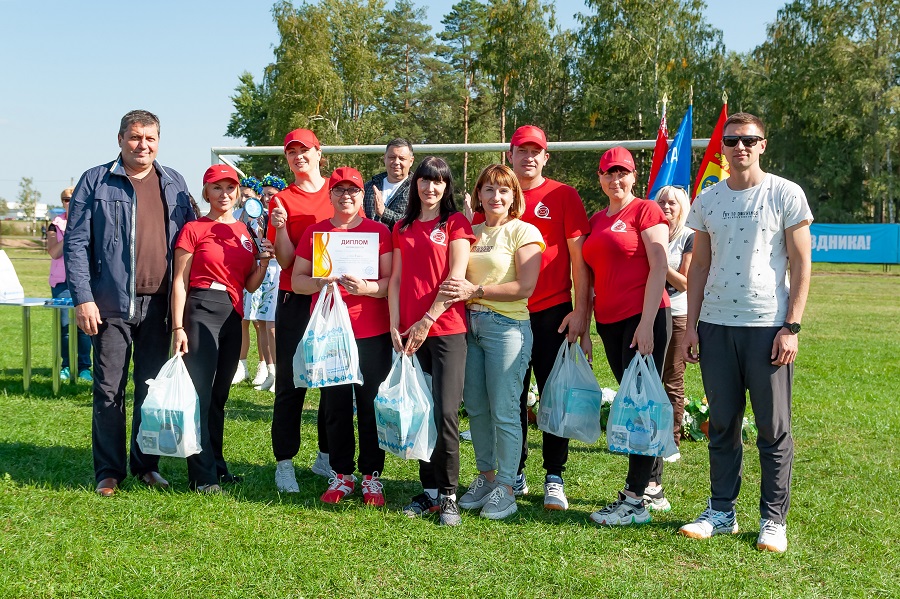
{"x":618,"y":227}
{"x":541,"y":211}
{"x":438,"y":236}
{"x":248,"y":245}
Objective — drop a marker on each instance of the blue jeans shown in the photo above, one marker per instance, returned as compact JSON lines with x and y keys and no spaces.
{"x":84,"y":341}
{"x":499,"y":350}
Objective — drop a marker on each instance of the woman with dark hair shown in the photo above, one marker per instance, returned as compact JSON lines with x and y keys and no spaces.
{"x":626,"y":252}
{"x":431,"y":244}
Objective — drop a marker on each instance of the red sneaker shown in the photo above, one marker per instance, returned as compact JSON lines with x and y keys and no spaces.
{"x":372,"y":490}
{"x":339,"y":486}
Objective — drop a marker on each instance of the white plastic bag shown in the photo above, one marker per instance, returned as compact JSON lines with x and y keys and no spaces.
{"x":570,"y":404}
{"x":404,"y":411}
{"x":170,"y":415}
{"x":641,"y":417}
{"x":327,"y":354}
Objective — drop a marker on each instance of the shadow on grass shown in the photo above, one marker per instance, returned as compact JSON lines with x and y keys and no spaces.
{"x":42,"y":385}
{"x":58,"y":466}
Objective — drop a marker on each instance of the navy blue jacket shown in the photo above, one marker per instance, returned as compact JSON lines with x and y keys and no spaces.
{"x":99,"y":246}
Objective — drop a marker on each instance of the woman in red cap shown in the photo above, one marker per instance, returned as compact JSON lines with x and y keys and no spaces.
{"x":366,"y":300}
{"x":431,"y":243}
{"x":626,"y":252}
{"x":303,"y":203}
{"x":215,"y":260}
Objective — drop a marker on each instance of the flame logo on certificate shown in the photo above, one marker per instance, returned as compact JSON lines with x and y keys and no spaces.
{"x":321,"y":267}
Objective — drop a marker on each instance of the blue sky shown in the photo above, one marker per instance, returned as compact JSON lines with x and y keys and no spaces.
{"x":71,"y":69}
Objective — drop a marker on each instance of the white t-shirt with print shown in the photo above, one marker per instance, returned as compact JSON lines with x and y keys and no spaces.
{"x":748,"y":282}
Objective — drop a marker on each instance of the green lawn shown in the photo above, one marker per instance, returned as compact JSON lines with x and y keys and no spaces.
{"x":57,"y":539}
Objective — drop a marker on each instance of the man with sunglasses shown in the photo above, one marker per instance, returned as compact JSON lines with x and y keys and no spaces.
{"x":747,"y":288}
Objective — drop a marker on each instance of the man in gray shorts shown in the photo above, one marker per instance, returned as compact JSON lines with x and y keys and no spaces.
{"x":747,"y":306}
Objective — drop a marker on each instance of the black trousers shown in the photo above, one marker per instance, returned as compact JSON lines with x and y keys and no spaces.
{"x":336,"y":410}
{"x":291,"y":320}
{"x":213,"y":329}
{"x":616,"y":339}
{"x":543,"y":353}
{"x":148,"y":336}
{"x":444,"y":358}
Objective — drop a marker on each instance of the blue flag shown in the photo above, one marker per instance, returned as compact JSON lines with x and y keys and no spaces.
{"x":676,"y":170}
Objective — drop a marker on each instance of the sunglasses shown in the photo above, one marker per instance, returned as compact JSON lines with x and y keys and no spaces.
{"x":730,"y":141}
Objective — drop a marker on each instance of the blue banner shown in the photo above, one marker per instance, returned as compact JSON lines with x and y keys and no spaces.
{"x":867,"y":244}
{"x":676,"y":169}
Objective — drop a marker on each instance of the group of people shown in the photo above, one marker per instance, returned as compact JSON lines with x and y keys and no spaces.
{"x":482,"y":303}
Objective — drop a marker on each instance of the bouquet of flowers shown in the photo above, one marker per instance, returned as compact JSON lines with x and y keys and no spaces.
{"x":695,"y":424}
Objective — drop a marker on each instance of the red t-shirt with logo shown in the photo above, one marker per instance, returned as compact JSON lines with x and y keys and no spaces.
{"x":223,"y":254}
{"x":369,"y":316}
{"x":425,"y":255}
{"x":304,"y":208}
{"x":557,"y":211}
{"x":615,"y":252}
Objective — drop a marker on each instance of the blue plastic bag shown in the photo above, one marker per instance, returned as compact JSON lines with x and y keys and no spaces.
{"x":404,"y":411}
{"x":570,"y":403}
{"x":641,"y":417}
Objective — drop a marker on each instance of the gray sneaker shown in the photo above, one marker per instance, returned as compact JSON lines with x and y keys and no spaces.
{"x":285,"y":478}
{"x":321,"y":466}
{"x":449,"y":511}
{"x":501,"y":503}
{"x":478,"y":493}
{"x":555,"y":494}
{"x":520,"y":487}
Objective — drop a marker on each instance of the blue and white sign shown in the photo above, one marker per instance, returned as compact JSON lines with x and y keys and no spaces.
{"x":867,"y":244}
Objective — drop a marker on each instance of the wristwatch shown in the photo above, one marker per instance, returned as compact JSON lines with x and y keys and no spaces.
{"x":793,"y":327}
{"x":479,"y":293}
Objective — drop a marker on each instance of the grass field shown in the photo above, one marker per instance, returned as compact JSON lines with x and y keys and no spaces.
{"x":58,"y":539}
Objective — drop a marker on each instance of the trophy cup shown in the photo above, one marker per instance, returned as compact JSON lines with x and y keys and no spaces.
{"x":255,"y":218}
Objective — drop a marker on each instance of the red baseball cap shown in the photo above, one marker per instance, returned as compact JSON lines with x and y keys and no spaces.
{"x":217,"y":172}
{"x":528,"y":134}
{"x":617,"y":156}
{"x":303,"y":136}
{"x":345,"y":173}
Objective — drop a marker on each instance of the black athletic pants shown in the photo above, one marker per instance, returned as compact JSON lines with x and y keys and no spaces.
{"x":213,"y":329}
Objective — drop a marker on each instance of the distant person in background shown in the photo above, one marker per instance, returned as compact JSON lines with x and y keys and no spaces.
{"x":675,"y":205}
{"x":124,"y":219}
{"x":59,"y":288}
{"x":250,"y":189}
{"x":747,"y":289}
{"x":388,"y":193}
{"x":259,"y":307}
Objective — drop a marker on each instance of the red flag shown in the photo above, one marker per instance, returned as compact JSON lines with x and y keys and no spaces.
{"x":714,"y":166}
{"x":659,"y":150}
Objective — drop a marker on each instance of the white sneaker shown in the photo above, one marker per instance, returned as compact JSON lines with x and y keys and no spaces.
{"x":772,"y":536}
{"x":240,"y":375}
{"x":655,"y":499}
{"x":622,"y":512}
{"x":285,"y":478}
{"x":711,"y":522}
{"x":673,"y":458}
{"x":321,"y":466}
{"x":262,"y":373}
{"x":555,"y":494}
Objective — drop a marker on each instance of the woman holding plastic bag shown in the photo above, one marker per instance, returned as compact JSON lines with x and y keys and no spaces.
{"x":215,"y":260}
{"x":368,"y":310}
{"x":431,"y":243}
{"x":503,"y":269}
{"x":626,"y":252}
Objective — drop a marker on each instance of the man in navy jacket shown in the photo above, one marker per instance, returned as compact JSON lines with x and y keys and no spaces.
{"x":124,"y":219}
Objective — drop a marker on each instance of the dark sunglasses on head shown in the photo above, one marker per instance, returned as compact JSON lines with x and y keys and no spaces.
{"x":749,"y":141}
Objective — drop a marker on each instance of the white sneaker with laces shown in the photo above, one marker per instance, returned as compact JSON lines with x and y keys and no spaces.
{"x":321,"y":466}
{"x":772,"y":536}
{"x":240,"y":375}
{"x":655,"y":499}
{"x":622,"y":512}
{"x":520,"y":487}
{"x":555,"y":494}
{"x":711,"y":522}
{"x":262,"y":373}
{"x":285,"y":478}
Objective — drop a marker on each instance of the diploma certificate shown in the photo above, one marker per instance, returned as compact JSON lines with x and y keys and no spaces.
{"x":340,"y":253}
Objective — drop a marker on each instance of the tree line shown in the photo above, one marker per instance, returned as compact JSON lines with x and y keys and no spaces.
{"x":357,"y":72}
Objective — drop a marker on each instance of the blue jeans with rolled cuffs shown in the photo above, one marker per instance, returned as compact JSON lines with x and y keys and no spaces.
{"x":499,"y":350}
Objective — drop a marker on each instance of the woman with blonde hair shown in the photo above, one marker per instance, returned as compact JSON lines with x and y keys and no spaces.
{"x":501,"y":275}
{"x":675,"y":205}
